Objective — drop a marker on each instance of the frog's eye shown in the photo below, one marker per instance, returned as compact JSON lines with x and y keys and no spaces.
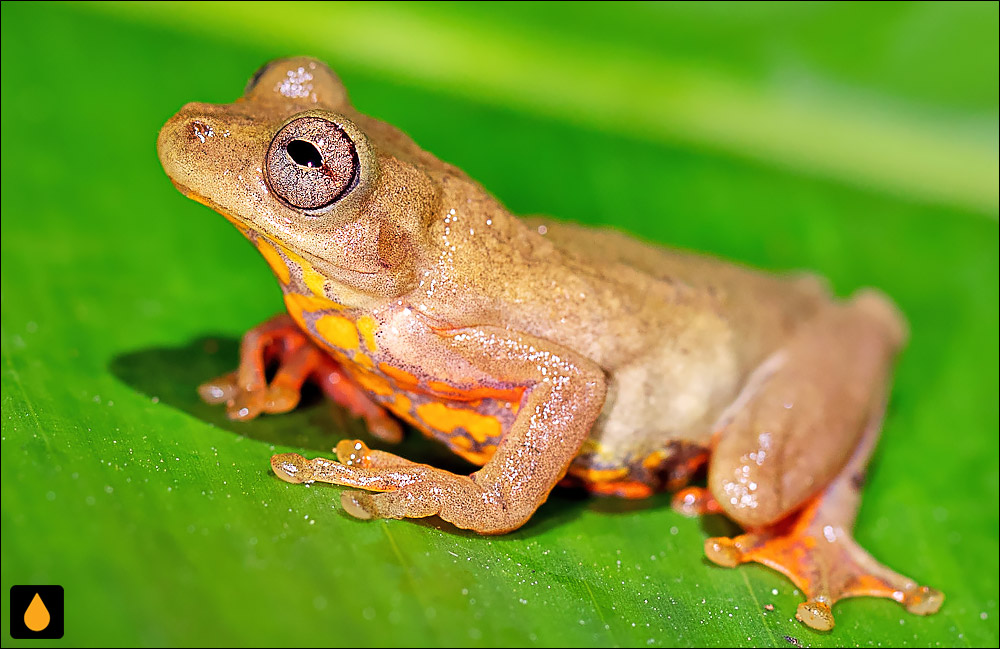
{"x":311,"y":163}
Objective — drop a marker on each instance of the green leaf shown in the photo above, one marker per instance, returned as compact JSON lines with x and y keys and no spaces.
{"x":162,"y":519}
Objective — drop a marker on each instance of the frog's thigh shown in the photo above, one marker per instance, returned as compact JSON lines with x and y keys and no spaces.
{"x":563,"y":398}
{"x":802,"y":414}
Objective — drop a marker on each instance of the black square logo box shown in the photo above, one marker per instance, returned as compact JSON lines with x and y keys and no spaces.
{"x":36,"y":612}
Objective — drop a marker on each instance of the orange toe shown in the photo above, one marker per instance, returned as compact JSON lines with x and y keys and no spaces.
{"x":824,"y":562}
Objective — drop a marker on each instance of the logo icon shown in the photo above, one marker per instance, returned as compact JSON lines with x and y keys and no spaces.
{"x":36,"y":612}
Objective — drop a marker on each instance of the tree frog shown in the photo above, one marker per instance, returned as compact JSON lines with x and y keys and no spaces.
{"x":541,"y":351}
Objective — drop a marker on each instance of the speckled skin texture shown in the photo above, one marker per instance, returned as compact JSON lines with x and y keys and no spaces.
{"x":536,"y":349}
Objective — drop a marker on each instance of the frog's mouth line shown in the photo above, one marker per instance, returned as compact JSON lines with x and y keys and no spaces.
{"x":209,"y":203}
{"x":242,"y":225}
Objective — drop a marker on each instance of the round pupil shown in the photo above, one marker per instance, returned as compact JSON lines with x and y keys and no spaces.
{"x":304,"y":153}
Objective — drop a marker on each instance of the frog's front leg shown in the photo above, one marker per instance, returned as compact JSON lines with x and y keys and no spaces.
{"x":790,"y":461}
{"x":563,"y":395}
{"x":246,"y":392}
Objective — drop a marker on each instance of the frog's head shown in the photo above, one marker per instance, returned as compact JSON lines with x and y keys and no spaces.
{"x":293,"y":164}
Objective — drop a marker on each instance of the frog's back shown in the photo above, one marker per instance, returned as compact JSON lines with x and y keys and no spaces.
{"x":760,"y":308}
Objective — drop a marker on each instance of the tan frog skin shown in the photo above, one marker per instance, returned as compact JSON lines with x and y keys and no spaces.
{"x":542,"y":351}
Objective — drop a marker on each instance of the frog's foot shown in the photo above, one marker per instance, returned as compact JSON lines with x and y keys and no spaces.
{"x":825,"y":562}
{"x":405,"y":489}
{"x":246,"y":392}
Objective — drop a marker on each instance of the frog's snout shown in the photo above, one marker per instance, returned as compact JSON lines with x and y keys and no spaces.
{"x":192,"y":142}
{"x":192,"y":122}
{"x":291,"y":467}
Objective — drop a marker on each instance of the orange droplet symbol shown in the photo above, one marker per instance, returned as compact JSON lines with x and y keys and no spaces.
{"x":37,"y":616}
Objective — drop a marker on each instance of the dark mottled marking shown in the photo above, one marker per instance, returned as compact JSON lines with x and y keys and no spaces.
{"x":252,"y":83}
{"x":676,"y":469}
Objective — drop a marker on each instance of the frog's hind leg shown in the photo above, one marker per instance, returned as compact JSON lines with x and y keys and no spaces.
{"x":790,"y":461}
{"x":816,"y":550}
{"x":247,"y":394}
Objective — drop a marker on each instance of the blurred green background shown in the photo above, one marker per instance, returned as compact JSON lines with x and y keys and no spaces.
{"x":857,"y":140}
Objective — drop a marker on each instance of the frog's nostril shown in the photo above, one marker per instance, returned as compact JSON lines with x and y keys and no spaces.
{"x":304,"y":153}
{"x":200,"y":130}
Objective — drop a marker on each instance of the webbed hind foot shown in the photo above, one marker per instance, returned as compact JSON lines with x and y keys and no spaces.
{"x":825,"y":562}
